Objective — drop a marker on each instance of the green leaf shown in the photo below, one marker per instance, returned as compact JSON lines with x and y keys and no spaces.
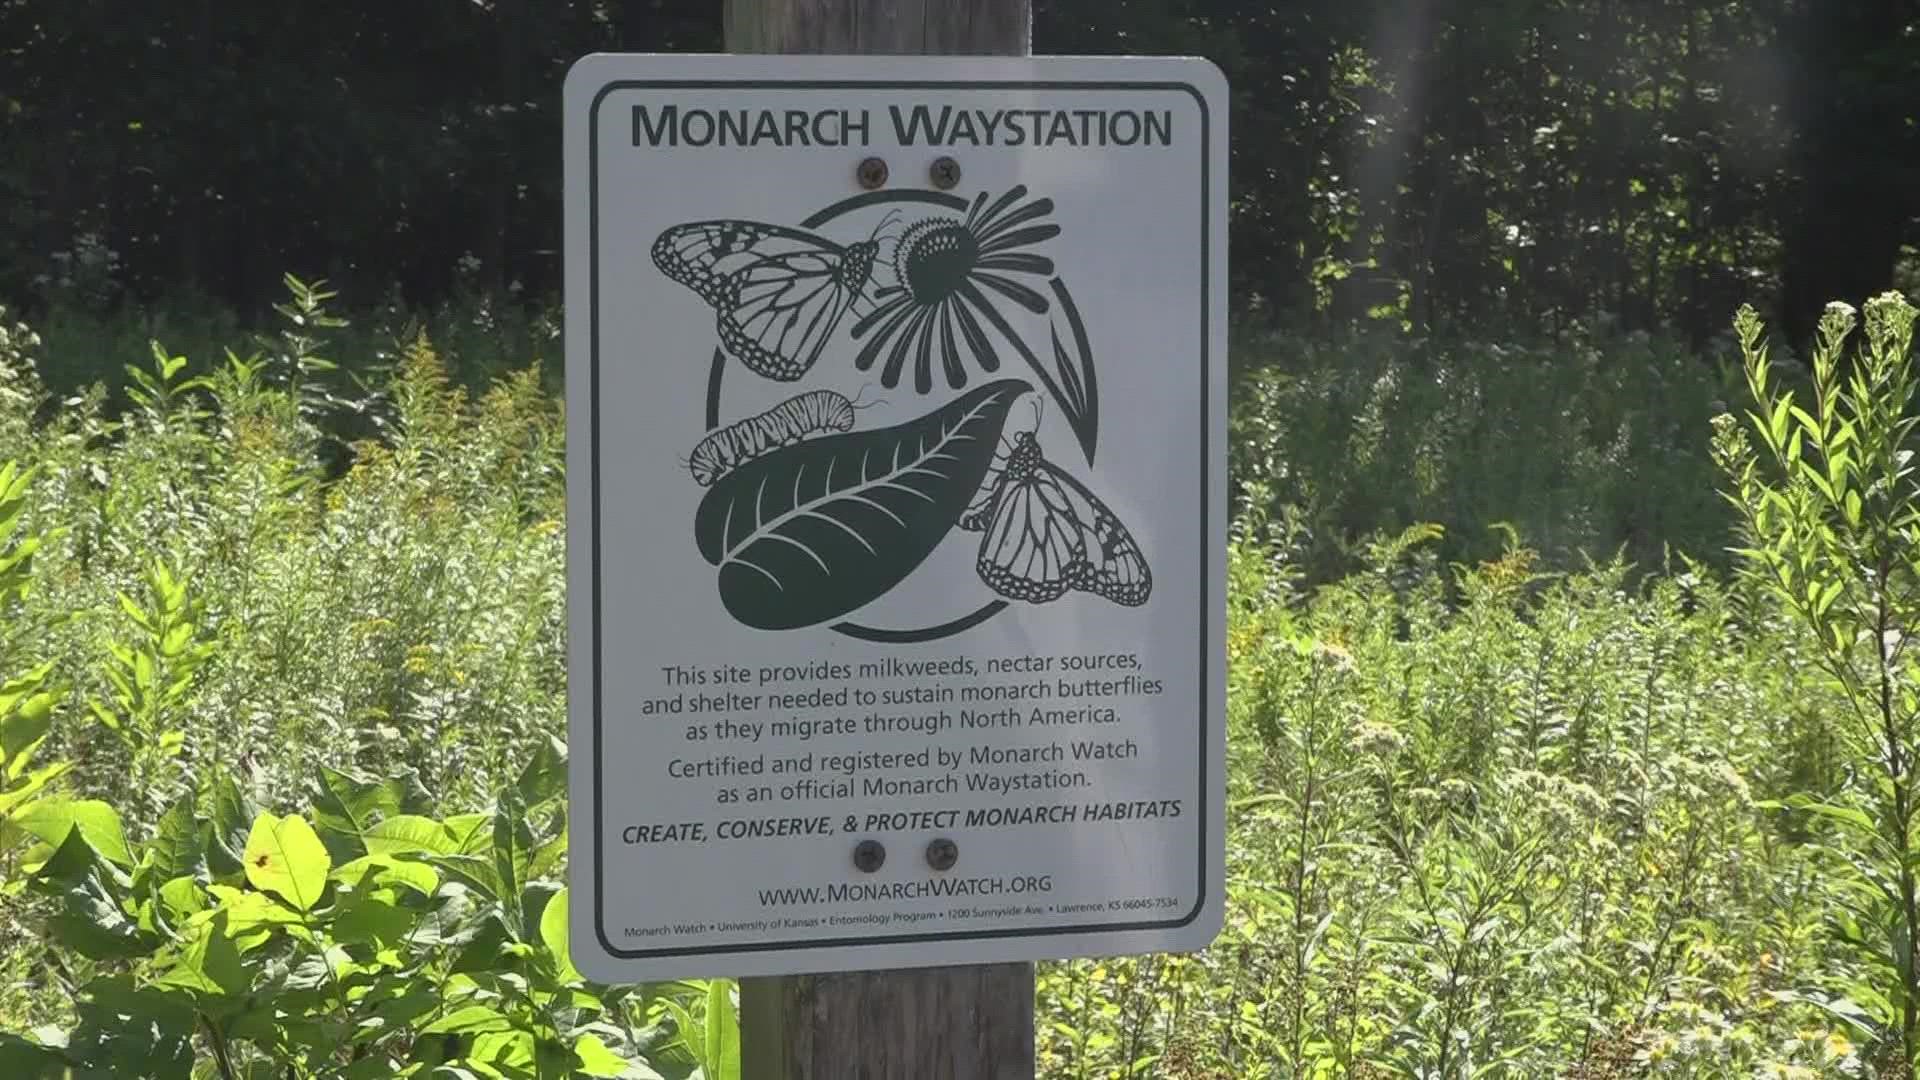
{"x":595,"y":1059}
{"x":371,"y":917}
{"x":476,"y":872}
{"x":553,"y":934}
{"x":177,"y":847}
{"x":1849,"y":816}
{"x":52,"y":819}
{"x":544,"y":777}
{"x":250,"y":911}
{"x":469,"y":832}
{"x":722,"y":1061}
{"x":92,"y":916}
{"x":31,"y":1061}
{"x":469,"y":1020}
{"x":208,"y":964}
{"x":512,"y":844}
{"x":349,"y":805}
{"x":182,"y":897}
{"x":389,"y":870}
{"x":233,"y":814}
{"x":808,"y":533}
{"x":491,"y":940}
{"x":133,"y":1032}
{"x":23,"y":793}
{"x":407,"y":832}
{"x":284,"y":856}
{"x":26,"y":714}
{"x":551,"y":851}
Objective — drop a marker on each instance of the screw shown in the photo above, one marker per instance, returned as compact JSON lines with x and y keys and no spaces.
{"x":945,"y":172}
{"x":942,"y":854}
{"x":868,"y":855}
{"x":872,"y":173}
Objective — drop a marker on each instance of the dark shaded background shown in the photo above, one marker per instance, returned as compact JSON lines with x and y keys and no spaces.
{"x":1495,"y":166}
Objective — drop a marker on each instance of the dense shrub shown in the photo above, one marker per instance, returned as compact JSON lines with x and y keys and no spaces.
{"x":1584,"y":447}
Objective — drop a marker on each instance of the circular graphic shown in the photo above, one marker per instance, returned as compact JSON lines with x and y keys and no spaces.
{"x":779,"y":293}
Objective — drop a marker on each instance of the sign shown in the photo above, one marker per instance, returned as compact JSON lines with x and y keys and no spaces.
{"x":896,"y":499}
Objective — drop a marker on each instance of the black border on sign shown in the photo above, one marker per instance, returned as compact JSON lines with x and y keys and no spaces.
{"x":1201,"y":805}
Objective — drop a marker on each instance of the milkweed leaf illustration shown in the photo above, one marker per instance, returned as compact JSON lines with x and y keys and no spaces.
{"x":813,"y":531}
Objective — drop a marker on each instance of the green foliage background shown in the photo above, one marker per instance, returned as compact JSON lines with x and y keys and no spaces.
{"x":1548,"y":759}
{"x":1500,"y":807}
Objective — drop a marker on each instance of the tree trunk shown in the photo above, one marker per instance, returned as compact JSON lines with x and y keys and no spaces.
{"x":965,"y":1023}
{"x":963,"y":27}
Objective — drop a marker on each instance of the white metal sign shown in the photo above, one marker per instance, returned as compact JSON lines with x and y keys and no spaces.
{"x":896,"y":500}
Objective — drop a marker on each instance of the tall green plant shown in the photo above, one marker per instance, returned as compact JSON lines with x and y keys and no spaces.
{"x":1831,"y":512}
{"x":152,"y":675}
{"x":27,"y":699}
{"x":363,"y":940}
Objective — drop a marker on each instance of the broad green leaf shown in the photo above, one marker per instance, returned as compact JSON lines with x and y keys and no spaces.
{"x":207,"y":963}
{"x":183,"y":897}
{"x":509,"y":1051}
{"x":284,"y":857}
{"x":483,"y":951}
{"x":248,"y":911}
{"x":476,"y":872}
{"x":92,"y":916}
{"x":722,"y":1061}
{"x":25,"y":1060}
{"x":552,"y":852}
{"x":26,"y":714}
{"x":533,"y":906}
{"x":349,"y":805}
{"x":371,"y":917}
{"x":389,"y":870}
{"x":233,"y":814}
{"x":512,"y":844}
{"x":469,"y":1020}
{"x":407,"y":832}
{"x":544,"y":777}
{"x":553,"y":934}
{"x":26,"y":791}
{"x":133,"y":1032}
{"x":469,"y":832}
{"x":52,"y":819}
{"x":595,"y":1059}
{"x":176,"y":849}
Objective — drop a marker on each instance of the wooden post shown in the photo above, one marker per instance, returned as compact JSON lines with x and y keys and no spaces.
{"x":965,"y":1023}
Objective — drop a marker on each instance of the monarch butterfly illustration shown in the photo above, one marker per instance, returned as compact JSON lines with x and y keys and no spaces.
{"x":1046,"y":534}
{"x":777,"y":293}
{"x":801,"y":416}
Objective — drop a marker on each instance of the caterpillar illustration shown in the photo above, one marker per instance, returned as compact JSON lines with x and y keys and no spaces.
{"x":801,"y":416}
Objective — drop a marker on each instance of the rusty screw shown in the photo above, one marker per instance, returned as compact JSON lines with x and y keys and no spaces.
{"x":872,"y":173}
{"x":945,"y":173}
{"x":868,"y":855}
{"x":942,"y":854}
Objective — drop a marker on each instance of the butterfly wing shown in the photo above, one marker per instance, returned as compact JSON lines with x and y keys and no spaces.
{"x":1046,"y":533}
{"x":1031,"y":539}
{"x":979,"y":513}
{"x":777,"y":293}
{"x":703,"y":255}
{"x":776,"y":314}
{"x":1111,"y":563}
